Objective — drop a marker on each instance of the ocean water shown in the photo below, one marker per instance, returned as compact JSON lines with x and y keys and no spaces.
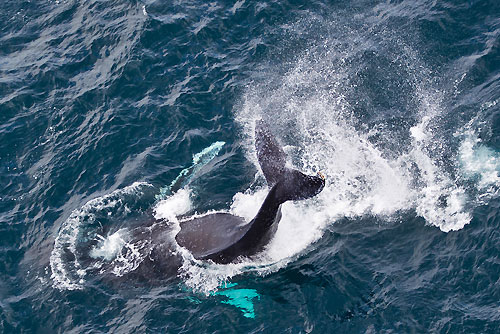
{"x":120,"y":118}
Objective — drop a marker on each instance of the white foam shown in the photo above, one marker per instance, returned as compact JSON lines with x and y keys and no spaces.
{"x":246,"y":204}
{"x":418,"y":131}
{"x":173,"y":206}
{"x":479,"y":161}
{"x":109,"y":247}
{"x":130,"y":256}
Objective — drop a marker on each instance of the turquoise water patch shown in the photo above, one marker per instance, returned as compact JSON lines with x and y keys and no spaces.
{"x":242,"y":299}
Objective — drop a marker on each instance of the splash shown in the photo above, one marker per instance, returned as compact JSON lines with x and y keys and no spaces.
{"x":480,"y":162}
{"x":379,"y":170}
{"x":68,"y":271}
{"x":173,"y":206}
{"x":109,"y":247}
{"x":379,"y":162}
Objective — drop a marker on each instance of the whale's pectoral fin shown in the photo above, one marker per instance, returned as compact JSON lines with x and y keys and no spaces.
{"x":296,"y":185}
{"x":271,"y":156}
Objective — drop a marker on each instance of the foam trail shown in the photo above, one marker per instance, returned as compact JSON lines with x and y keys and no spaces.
{"x":200,"y":160}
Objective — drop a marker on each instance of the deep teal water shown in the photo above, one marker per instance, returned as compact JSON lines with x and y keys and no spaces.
{"x":104,"y":106}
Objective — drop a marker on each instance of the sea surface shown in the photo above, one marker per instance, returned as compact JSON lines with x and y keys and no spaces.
{"x":121,"y":118}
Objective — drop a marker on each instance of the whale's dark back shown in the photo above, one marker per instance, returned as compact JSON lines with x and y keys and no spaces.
{"x":211,"y":233}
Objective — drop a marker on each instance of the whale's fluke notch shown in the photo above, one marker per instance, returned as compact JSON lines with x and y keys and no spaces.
{"x":272,"y":158}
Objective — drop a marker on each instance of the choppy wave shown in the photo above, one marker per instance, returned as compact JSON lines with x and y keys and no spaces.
{"x":397,"y":102}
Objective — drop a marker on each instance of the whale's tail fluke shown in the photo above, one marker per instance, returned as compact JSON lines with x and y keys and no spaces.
{"x":295,"y":185}
{"x":290,"y":183}
{"x":222,"y":237}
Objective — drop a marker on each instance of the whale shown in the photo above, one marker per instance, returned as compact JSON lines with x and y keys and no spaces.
{"x":146,"y":249}
{"x":223,"y":237}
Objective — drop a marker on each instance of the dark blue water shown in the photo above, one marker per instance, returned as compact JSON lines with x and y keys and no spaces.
{"x":116,"y":112}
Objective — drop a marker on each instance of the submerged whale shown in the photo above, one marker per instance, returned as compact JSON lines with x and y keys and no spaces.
{"x":223,"y":237}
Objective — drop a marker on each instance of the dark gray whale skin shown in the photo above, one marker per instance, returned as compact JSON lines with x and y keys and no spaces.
{"x":222,"y":237}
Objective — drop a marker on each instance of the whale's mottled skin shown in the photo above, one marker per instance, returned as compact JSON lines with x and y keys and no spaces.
{"x":222,"y":237}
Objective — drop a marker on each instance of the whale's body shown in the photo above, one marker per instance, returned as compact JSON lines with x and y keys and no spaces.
{"x":223,"y":237}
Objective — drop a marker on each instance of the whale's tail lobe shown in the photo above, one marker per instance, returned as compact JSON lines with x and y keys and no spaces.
{"x":271,"y":156}
{"x":295,"y":185}
{"x":290,"y":183}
